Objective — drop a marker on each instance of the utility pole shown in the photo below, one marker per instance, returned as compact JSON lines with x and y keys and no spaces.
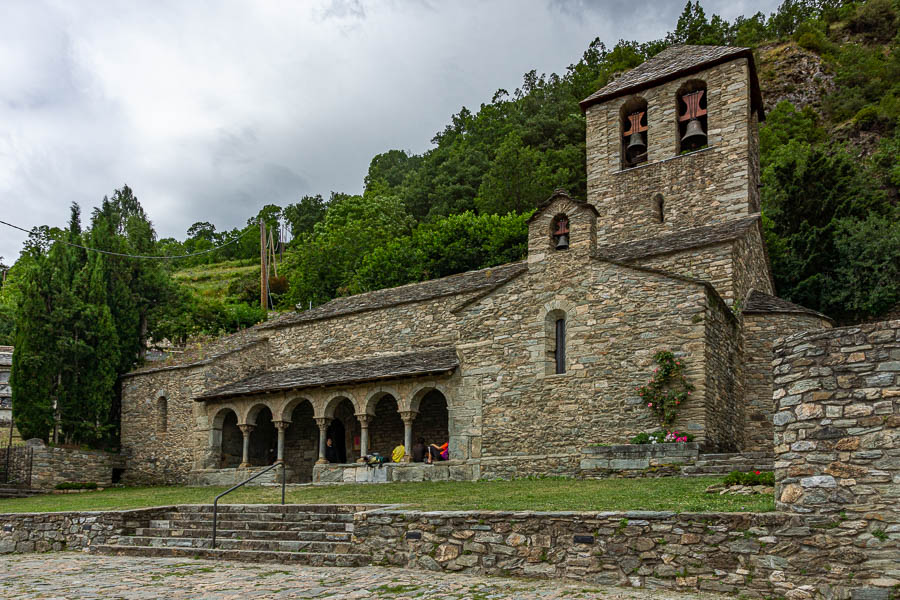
{"x":263,"y":270}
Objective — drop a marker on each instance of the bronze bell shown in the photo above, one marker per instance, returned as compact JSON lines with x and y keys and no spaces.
{"x":694,"y":133}
{"x":562,"y":242}
{"x":636,"y":144}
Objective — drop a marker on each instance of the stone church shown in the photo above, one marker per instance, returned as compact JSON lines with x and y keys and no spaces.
{"x":519,"y":367}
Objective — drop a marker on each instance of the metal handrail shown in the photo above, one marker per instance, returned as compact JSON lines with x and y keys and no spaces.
{"x":246,"y":481}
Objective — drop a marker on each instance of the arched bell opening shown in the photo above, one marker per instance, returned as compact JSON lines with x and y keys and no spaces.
{"x":690,"y":100}
{"x":263,"y":439}
{"x":386,"y":427}
{"x":559,"y":232}
{"x":633,"y":119}
{"x":432,"y":423}
{"x":231,"y":440}
{"x":301,"y":442}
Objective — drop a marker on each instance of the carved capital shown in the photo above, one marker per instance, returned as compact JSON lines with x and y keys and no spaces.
{"x":281,"y":425}
{"x":323,"y":423}
{"x":408,"y":416}
{"x":247,"y":429}
{"x":364,"y":419}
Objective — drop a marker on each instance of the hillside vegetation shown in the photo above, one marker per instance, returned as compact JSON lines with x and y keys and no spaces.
{"x":830,"y":77}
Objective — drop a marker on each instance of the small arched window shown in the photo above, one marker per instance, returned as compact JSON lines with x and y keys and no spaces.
{"x":555,"y":342}
{"x":633,"y":119}
{"x":659,"y":208}
{"x":692,"y":121}
{"x":162,"y":414}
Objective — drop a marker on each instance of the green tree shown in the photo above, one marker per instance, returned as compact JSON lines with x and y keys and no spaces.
{"x":302,"y":216}
{"x":517,"y":181}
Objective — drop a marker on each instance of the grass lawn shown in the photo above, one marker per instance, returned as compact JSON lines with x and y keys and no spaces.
{"x":669,"y":493}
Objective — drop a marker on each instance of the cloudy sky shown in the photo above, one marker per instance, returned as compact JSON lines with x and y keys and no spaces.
{"x":209,"y":110}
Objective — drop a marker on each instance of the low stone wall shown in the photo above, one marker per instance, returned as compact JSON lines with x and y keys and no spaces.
{"x":51,"y":466}
{"x":837,"y":437}
{"x":42,"y":532}
{"x":451,"y":470}
{"x":637,"y":460}
{"x":229,"y":477}
{"x":755,"y":555}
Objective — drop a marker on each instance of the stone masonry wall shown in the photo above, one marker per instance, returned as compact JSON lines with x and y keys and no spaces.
{"x":616,"y":319}
{"x":51,"y":466}
{"x":837,"y":442}
{"x":768,"y":555}
{"x":703,"y":187}
{"x":751,"y":266}
{"x":712,"y":263}
{"x":166,"y":456}
{"x":760,"y":332}
{"x":43,"y":532}
{"x":724,"y":381}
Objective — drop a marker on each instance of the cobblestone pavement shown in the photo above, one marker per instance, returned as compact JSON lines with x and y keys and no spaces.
{"x":78,"y":576}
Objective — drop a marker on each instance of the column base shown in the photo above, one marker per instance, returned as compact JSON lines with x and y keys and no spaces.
{"x":360,"y":460}
{"x":244,"y":465}
{"x":322,"y":461}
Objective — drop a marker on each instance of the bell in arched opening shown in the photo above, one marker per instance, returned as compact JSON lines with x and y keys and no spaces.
{"x":561,"y":232}
{"x":636,"y":148}
{"x":694,"y":136}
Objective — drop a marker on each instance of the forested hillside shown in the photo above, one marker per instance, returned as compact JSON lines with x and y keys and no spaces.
{"x":830,"y":78}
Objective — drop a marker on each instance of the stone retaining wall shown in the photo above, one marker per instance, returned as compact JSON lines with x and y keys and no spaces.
{"x":51,"y":466}
{"x":637,"y":459}
{"x":755,"y":555}
{"x":43,"y":532}
{"x":837,"y":438}
{"x":452,"y":470}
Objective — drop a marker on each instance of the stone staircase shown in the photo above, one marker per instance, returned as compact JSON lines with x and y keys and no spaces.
{"x":315,"y":535}
{"x":723,"y":464}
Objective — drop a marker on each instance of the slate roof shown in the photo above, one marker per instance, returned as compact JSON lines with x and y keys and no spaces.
{"x":561,"y":193}
{"x":760,"y":302}
{"x":409,"y":364}
{"x":682,"y":240}
{"x":672,"y":63}
{"x":470,"y":281}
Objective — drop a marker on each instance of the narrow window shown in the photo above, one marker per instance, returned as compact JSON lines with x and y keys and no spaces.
{"x":162,"y":414}
{"x":658,"y":208}
{"x":560,"y":346}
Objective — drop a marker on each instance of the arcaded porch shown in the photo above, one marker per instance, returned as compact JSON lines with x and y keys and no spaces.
{"x":363,"y":407}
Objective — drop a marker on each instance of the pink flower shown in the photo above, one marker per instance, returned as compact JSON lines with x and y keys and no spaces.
{"x":650,"y":404}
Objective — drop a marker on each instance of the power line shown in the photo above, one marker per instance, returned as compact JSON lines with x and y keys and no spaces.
{"x":228,"y":243}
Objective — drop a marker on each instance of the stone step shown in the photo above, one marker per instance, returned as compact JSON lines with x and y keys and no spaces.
{"x":238,"y":544}
{"x":331,"y":509}
{"x":707,"y":470}
{"x":313,"y":559}
{"x":227,"y":524}
{"x":292,"y":517}
{"x":247,"y":534}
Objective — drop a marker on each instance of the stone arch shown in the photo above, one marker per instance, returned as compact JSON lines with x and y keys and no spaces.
{"x":560,"y":235}
{"x":335,"y":400}
{"x":301,"y":444}
{"x":225,"y":439}
{"x":162,"y":414}
{"x":252,"y":411}
{"x":376,"y":394}
{"x":386,"y":430}
{"x":288,"y":407}
{"x":344,"y":428}
{"x":432,"y":421}
{"x":263,"y":437}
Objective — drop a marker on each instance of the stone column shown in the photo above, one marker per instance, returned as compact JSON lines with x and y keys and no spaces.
{"x":363,"y":435}
{"x":408,"y":417}
{"x":281,"y":426}
{"x":323,"y":423}
{"x":246,"y":430}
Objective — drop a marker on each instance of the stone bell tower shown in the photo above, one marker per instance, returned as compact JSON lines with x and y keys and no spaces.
{"x":673,"y":145}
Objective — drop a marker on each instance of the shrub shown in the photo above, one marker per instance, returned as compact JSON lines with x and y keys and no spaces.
{"x":662,"y":437}
{"x":76,"y":485}
{"x":667,"y":388}
{"x":750,"y":478}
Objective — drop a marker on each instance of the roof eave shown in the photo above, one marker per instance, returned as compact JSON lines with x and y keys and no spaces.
{"x":755,"y":94}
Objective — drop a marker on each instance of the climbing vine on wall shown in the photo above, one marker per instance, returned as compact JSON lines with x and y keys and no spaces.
{"x":667,"y":390}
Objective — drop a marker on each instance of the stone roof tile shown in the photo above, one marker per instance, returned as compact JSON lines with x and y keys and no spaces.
{"x":675,"y":242}
{"x":409,"y":364}
{"x":672,"y":63}
{"x":561,"y":193}
{"x":760,"y":302}
{"x":471,"y":281}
